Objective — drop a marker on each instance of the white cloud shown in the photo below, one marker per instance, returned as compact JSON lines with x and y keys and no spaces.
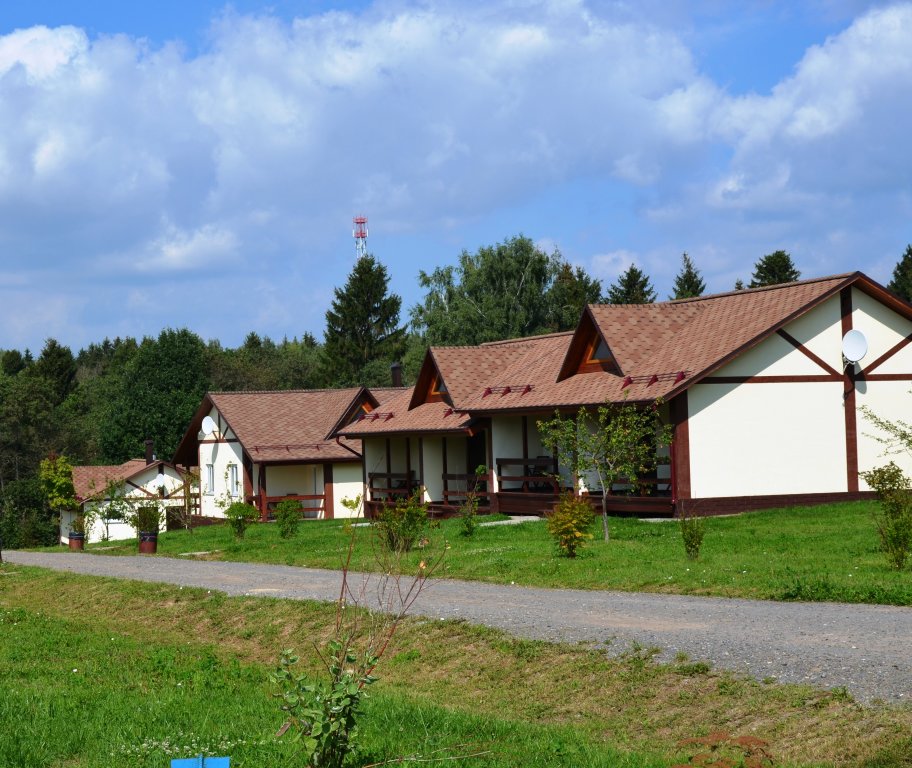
{"x":253,"y":154}
{"x":41,"y":52}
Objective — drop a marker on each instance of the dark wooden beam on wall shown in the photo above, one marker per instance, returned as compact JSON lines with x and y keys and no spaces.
{"x":851,"y":418}
{"x":328,"y":498}
{"x":680,"y":447}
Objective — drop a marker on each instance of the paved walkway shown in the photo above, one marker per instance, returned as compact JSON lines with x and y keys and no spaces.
{"x":866,"y":648}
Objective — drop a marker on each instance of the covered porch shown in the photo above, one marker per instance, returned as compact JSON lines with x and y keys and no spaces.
{"x":310,"y":484}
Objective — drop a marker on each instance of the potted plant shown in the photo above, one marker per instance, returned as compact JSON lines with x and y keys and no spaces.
{"x":78,"y":527}
{"x":147,"y":520}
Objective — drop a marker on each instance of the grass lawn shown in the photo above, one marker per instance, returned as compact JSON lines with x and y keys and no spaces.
{"x":830,"y":552}
{"x":98,"y":672}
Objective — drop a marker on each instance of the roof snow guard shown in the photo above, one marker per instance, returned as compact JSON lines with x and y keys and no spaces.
{"x":519,"y":389}
{"x":376,"y":416}
{"x":288,"y":447}
{"x":675,"y":376}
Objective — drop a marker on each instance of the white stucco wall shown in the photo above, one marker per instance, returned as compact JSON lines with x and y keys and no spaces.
{"x":762,"y":439}
{"x":506,"y":442}
{"x":890,"y":400}
{"x":220,"y":455}
{"x":347,"y":483}
{"x":433,"y":468}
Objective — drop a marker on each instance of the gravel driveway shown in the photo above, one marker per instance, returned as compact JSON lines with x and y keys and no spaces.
{"x":866,"y":648}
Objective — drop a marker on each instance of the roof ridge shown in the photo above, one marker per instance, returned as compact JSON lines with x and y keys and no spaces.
{"x":286,"y":391}
{"x":527,"y":338}
{"x":760,"y":288}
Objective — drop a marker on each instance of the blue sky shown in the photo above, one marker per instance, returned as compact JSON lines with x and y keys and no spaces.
{"x":198,"y":164}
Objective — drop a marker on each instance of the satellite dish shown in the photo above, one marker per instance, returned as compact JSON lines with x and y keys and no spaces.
{"x":854,"y":346}
{"x":209,"y":425}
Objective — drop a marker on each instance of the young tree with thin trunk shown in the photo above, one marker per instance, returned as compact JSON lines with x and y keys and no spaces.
{"x":616,"y":444}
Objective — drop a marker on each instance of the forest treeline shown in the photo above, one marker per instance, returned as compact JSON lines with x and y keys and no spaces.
{"x":99,"y":405}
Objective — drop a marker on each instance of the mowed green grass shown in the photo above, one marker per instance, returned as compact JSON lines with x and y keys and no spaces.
{"x":830,"y":552}
{"x":101,"y":672}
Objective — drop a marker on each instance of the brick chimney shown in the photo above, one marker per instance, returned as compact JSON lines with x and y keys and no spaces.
{"x":396,"y":374}
{"x":150,"y":448}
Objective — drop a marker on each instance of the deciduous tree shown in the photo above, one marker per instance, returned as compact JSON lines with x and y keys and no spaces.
{"x":617,"y":443}
{"x":504,"y":291}
{"x":156,"y":395}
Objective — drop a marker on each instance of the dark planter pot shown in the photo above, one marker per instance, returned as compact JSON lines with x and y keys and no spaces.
{"x":148,"y":542}
{"x":77,"y":540}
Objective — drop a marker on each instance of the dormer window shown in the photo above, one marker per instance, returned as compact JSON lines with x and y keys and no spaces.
{"x":598,"y":357}
{"x":439,"y":387}
{"x":599,"y":352}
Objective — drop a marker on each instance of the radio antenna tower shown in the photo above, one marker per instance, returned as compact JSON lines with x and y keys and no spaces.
{"x":360,"y":234}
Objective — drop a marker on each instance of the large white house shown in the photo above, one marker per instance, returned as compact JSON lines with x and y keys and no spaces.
{"x":265,"y":447}
{"x":765,"y":407}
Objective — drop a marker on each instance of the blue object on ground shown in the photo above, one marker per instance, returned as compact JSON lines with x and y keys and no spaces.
{"x":201,"y":762}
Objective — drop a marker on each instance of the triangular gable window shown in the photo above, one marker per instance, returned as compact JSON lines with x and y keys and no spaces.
{"x":439,"y":387}
{"x":598,"y":357}
{"x":600,"y":353}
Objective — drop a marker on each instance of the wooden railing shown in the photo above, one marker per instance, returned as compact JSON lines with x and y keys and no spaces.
{"x":266,"y":504}
{"x":383,"y":486}
{"x":477,"y":484}
{"x":538,"y":476}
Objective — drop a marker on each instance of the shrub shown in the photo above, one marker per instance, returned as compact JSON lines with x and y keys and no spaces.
{"x":693,"y":529}
{"x":469,"y":510}
{"x":146,"y":518}
{"x":894,"y":519}
{"x":399,"y":524}
{"x":569,"y":523}
{"x":288,"y":515}
{"x":239,"y":516}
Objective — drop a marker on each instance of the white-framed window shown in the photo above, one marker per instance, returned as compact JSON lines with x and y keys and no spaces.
{"x":233,"y":485}
{"x":210,"y":479}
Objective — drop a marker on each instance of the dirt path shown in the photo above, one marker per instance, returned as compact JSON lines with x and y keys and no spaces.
{"x":866,"y":648}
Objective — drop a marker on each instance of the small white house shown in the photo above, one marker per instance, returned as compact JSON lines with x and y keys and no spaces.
{"x":138,"y":481}
{"x":266,"y":447}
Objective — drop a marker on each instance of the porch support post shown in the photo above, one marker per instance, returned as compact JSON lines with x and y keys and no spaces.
{"x":388,"y":460}
{"x":328,"y":499}
{"x":848,"y":397}
{"x":446,"y":487}
{"x":421,"y":463}
{"x":408,"y":464}
{"x":247,"y":463}
{"x":680,"y":450}
{"x":264,"y":512}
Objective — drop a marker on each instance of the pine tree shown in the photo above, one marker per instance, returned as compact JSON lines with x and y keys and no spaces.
{"x":688,"y":284}
{"x":901,"y":284}
{"x":632,"y":287}
{"x":739,"y":284}
{"x":362,"y":325}
{"x":773,"y":269}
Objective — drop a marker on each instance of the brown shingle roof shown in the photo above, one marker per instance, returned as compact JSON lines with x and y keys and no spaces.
{"x":291,"y":425}
{"x":693,"y":336}
{"x":394,"y":417}
{"x":90,"y":481}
